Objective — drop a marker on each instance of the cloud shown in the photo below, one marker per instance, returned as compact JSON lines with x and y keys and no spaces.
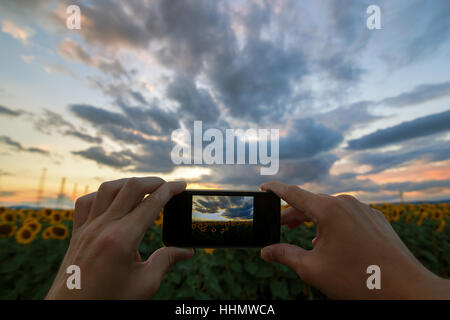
{"x":344,"y":119}
{"x":419,"y":94}
{"x":73,"y":51}
{"x":9,"y":112}
{"x":50,"y":121}
{"x":58,"y":68}
{"x":196,"y":104}
{"x":23,"y":34}
{"x":99,"y":155}
{"x":98,"y":116}
{"x":422,"y":150}
{"x":306,"y":138}
{"x":232,"y":207}
{"x":293,"y":171}
{"x":424,"y":126}
{"x":27,"y":59}
{"x":18,"y":146}
{"x":7,"y":193}
{"x":416,"y":186}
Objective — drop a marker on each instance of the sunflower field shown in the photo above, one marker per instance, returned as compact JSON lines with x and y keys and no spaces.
{"x":33,"y":243}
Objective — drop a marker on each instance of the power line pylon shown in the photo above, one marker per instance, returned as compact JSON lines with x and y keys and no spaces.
{"x":75,"y":192}
{"x":61,"y":192}
{"x":40,"y":190}
{"x":400,"y":193}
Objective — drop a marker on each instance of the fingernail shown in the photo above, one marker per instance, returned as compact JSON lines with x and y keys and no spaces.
{"x":266,"y":255}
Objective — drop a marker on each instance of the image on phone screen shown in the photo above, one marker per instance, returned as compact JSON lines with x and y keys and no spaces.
{"x":221,"y":219}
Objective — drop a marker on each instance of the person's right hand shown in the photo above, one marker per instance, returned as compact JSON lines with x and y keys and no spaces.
{"x":350,"y":237}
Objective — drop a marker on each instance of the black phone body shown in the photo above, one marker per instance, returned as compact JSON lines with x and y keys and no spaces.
{"x":222,"y":219}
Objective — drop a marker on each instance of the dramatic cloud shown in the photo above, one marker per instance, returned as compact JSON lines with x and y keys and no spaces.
{"x":196,"y":103}
{"x":428,"y":125}
{"x":305,"y":67}
{"x":419,"y":94}
{"x":347,"y":118}
{"x":306,"y":138}
{"x":49,"y":121}
{"x":231,"y":207}
{"x":422,"y":150}
{"x":9,"y":112}
{"x":112,"y":159}
{"x":19,"y":147}
{"x":73,"y":51}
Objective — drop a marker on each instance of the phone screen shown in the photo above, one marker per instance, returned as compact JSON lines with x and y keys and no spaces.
{"x":220,"y":220}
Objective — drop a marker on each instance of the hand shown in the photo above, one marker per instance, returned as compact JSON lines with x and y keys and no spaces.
{"x":350,"y":237}
{"x":107,"y":230}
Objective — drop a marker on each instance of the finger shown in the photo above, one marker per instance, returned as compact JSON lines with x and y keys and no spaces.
{"x":140,"y":219}
{"x":132,"y":193}
{"x":105,"y":195}
{"x":290,"y":255}
{"x":298,"y":198}
{"x":82,"y":208}
{"x":292,"y":216}
{"x":162,"y":259}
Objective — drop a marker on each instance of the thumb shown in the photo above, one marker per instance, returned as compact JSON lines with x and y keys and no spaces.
{"x":163,"y":258}
{"x":292,"y":256}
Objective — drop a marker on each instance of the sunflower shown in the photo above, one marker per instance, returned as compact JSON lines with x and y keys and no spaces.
{"x":209,"y":251}
{"x":422,"y":218}
{"x":308,"y":224}
{"x":21,"y":215}
{"x":56,"y":217}
{"x":8,"y":216}
{"x":437,"y":215}
{"x":46,"y":214}
{"x":59,"y":232}
{"x":68,"y":215}
{"x":6,"y":229}
{"x":47,"y":234}
{"x":25,"y":235}
{"x":441,"y":226}
{"x":33,"y":224}
{"x":34,"y":214}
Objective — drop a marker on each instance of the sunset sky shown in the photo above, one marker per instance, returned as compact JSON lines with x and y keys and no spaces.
{"x":360,"y":111}
{"x":222,"y":208}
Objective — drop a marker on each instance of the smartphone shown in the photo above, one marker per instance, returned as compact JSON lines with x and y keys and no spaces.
{"x":220,"y":218}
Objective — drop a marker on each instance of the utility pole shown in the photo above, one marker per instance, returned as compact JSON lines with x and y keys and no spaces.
{"x":400,"y":193}
{"x":75,"y":192}
{"x":61,"y":192}
{"x":40,"y":190}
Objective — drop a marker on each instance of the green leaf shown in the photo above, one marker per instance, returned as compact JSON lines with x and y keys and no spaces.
{"x":235,"y":266}
{"x":279,"y":289}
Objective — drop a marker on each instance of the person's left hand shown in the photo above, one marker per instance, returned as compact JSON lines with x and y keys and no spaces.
{"x":108,"y":227}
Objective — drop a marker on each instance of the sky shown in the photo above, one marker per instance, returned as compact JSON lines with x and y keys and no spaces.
{"x":363,"y":112}
{"x":222,"y":208}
